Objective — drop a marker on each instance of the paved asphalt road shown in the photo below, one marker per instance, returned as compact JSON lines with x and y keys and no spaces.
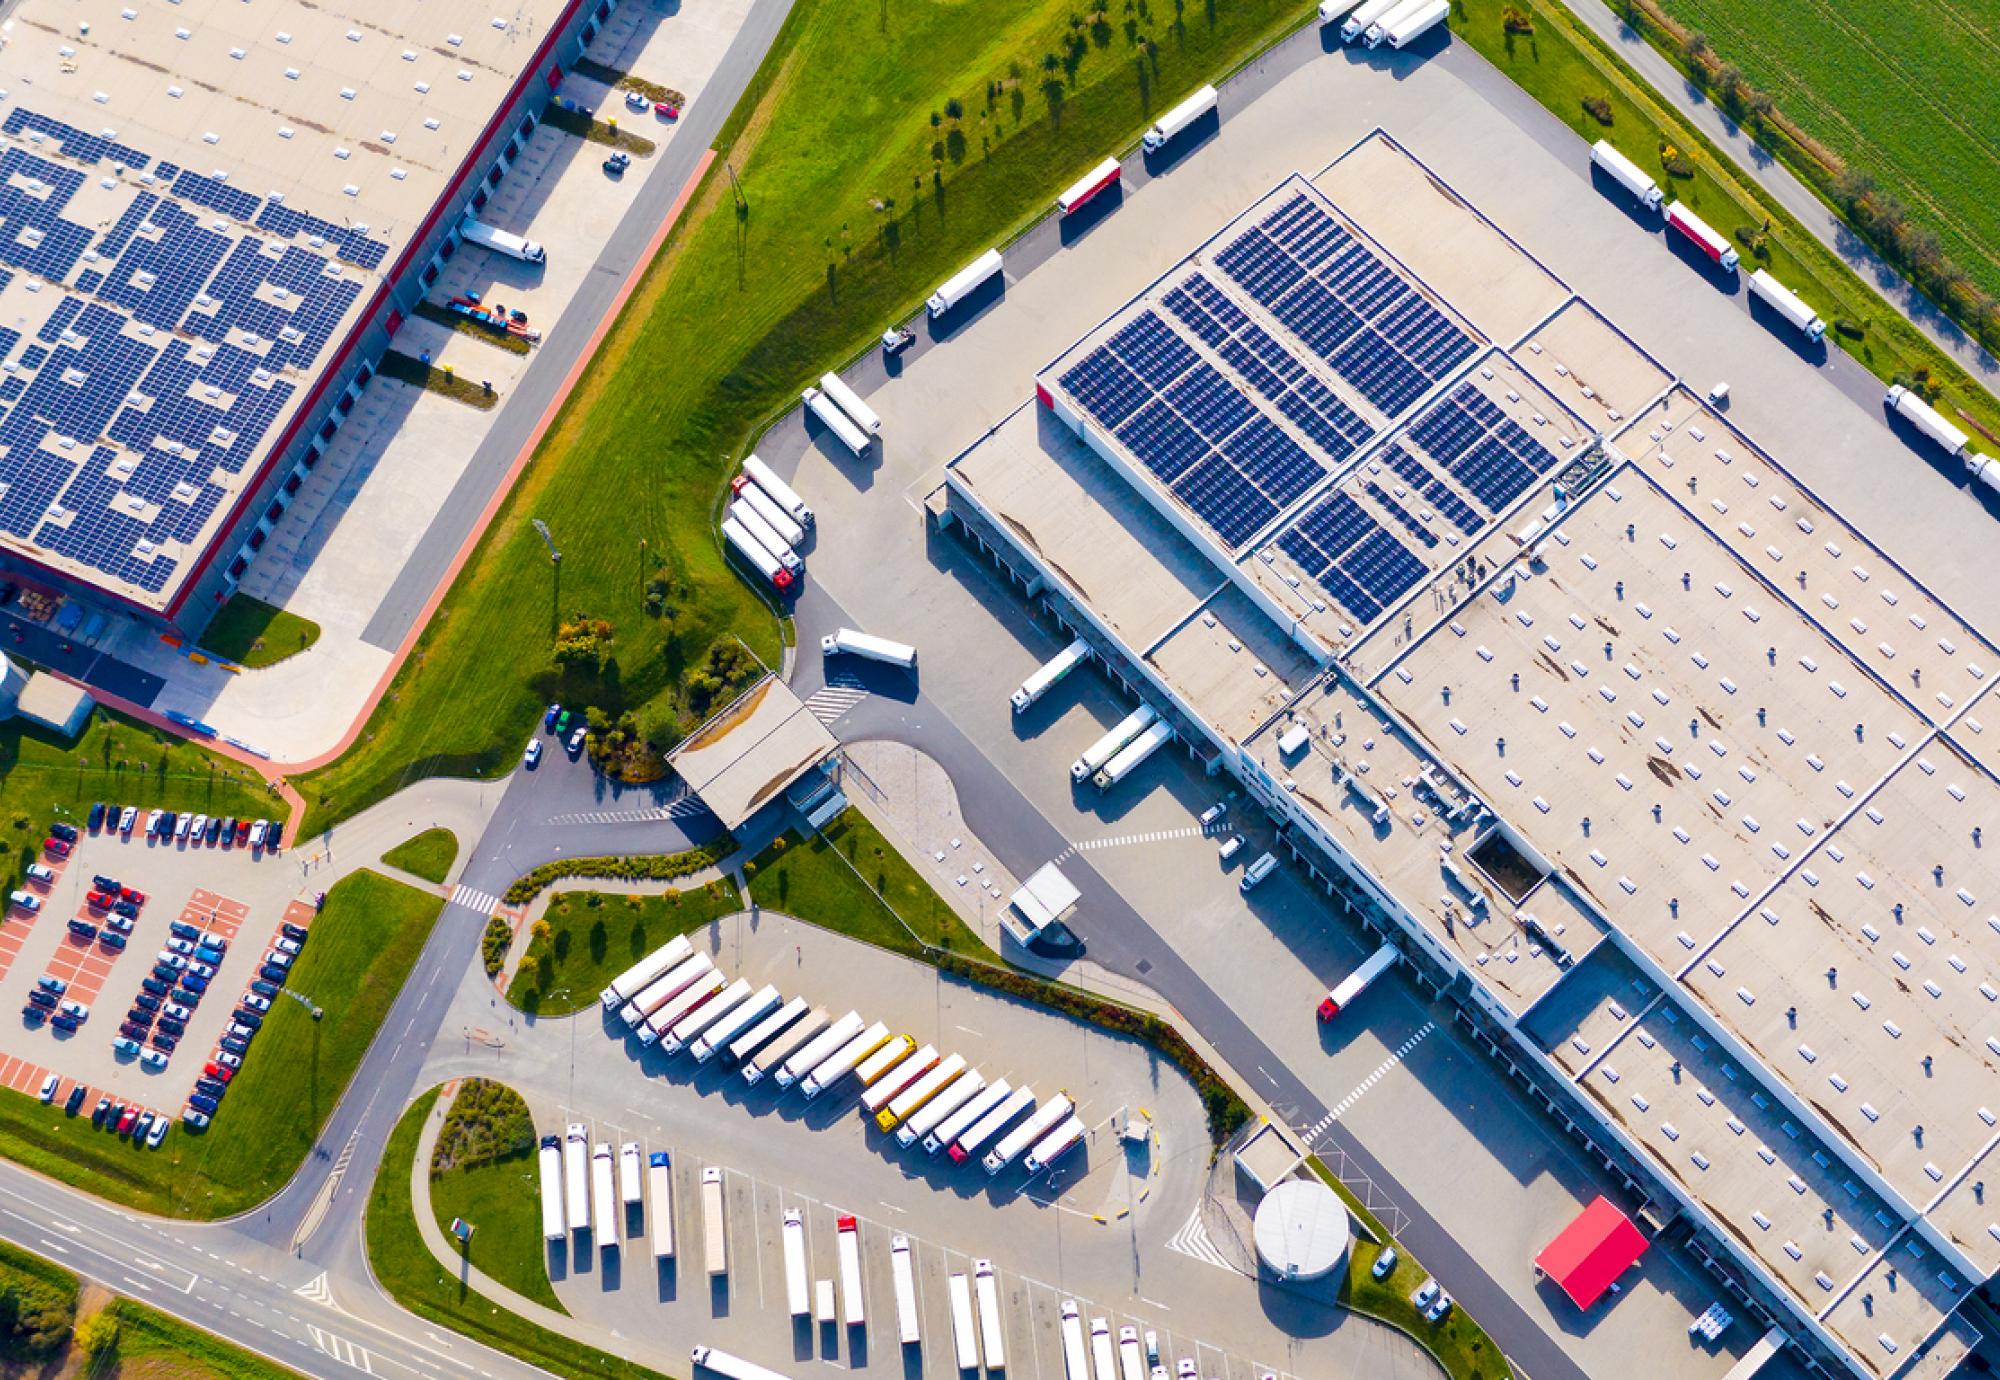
{"x":564,"y":345}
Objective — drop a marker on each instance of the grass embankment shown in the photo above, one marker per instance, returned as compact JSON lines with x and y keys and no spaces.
{"x":1460,"y":1345}
{"x":1892,"y":87}
{"x":255,"y":634}
{"x":40,"y":1332}
{"x":846,"y":222}
{"x":43,"y":778}
{"x":413,"y":1277}
{"x":439,"y":379}
{"x":429,"y":855}
{"x":483,"y":1170}
{"x":604,"y":132}
{"x":362,"y":947}
{"x":853,"y":881}
{"x":586,"y":938}
{"x":1562,"y":65}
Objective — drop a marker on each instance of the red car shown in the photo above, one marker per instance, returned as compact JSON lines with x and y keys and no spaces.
{"x":220,"y":1073}
{"x":99,"y":900}
{"x":242,"y":831}
{"x":55,"y":847}
{"x":666,"y":111}
{"x":132,"y":894}
{"x":127,"y":1119}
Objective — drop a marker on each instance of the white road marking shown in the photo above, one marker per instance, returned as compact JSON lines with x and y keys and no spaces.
{"x":483,"y":902}
{"x":1401,"y":1052}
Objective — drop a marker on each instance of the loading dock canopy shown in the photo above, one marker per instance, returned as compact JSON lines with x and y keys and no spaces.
{"x":1600,"y":1245}
{"x":1040,"y":902}
{"x":744,"y":757}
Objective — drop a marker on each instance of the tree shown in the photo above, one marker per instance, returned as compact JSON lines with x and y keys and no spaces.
{"x":953,"y":110}
{"x":1695,"y":48}
{"x":98,"y":1333}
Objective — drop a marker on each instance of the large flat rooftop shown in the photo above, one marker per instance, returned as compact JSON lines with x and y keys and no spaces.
{"x":198,"y":203}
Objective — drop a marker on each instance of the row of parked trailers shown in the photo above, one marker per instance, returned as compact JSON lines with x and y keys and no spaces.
{"x":766,"y":524}
{"x":580,"y":1191}
{"x":1373,"y":23}
{"x":676,"y":998}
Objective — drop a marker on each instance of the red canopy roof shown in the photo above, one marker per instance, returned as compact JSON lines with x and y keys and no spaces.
{"x":1591,"y":1252}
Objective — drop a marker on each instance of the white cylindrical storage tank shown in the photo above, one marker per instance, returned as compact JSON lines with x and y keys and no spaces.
{"x":1302,"y":1230}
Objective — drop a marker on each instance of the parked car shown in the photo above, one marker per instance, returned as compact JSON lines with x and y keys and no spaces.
{"x":152,"y":986}
{"x":169,"y":959}
{"x":80,"y":1010}
{"x":562,"y":725}
{"x":41,"y":998}
{"x":228,"y":830}
{"x":65,"y":832}
{"x":96,"y":816}
{"x":132,"y":894}
{"x":182,"y":826}
{"x":257,"y":830}
{"x":127,"y":818}
{"x":1425,"y":1294}
{"x":255,"y":1002}
{"x":126,"y":909}
{"x":533,"y":755}
{"x":618,"y":162}
{"x":222,"y":1073}
{"x":52,"y":984}
{"x":169,"y":821}
{"x":242,"y":831}
{"x":55,"y":847}
{"x":128,"y":1048}
{"x":128,"y":1120}
{"x":196,"y":1120}
{"x":549,"y":717}
{"x":214,"y":830}
{"x":176,"y":1011}
{"x":100,"y":1111}
{"x":76,"y":1096}
{"x":83,"y":929}
{"x":209,"y":1087}
{"x":240,"y":1030}
{"x":162,"y":1040}
{"x":265,"y":989}
{"x":286,"y":946}
{"x":158,"y":1133}
{"x":229,"y":1060}
{"x":187,"y":996}
{"x":575,"y":744}
{"x":112,"y":940}
{"x":231,"y":1045}
{"x":207,"y":955}
{"x":66,"y":1024}
{"x":271,"y":972}
{"x":278,"y":958}
{"x":120,"y":923}
{"x":194,"y":982}
{"x":145,"y":1001}
{"x":209,"y":939}
{"x":292,"y":931}
{"x":198,"y":830}
{"x":180,"y":929}
{"x":41,"y":875}
{"x":180,"y":946}
{"x":249,"y":1018}
{"x":22,"y":900}
{"x":154,"y":1059}
{"x":201,"y":970}
{"x":153,"y":821}
{"x":202,"y":1103}
{"x":48,"y":1093}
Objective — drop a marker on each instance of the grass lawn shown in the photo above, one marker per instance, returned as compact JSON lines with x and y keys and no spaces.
{"x":152,"y":1345}
{"x":484,"y":1171}
{"x":808,"y":880}
{"x":591,"y":938}
{"x":429,"y":855}
{"x":413,"y":1277}
{"x":1561,"y":65}
{"x":847,"y":222}
{"x":1460,"y":1344}
{"x":362,"y":947}
{"x":43,"y":778}
{"x":254,"y":634}
{"x":1896,"y":87}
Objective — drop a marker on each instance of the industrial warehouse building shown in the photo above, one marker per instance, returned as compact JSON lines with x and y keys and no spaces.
{"x":1645,"y":756}
{"x":216,"y":217}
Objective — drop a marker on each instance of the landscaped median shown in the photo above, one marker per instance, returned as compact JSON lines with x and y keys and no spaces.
{"x":662,"y":867}
{"x":428,"y":855}
{"x":484,"y":1173}
{"x":404,"y":1265}
{"x":1460,"y":1345}
{"x":362,"y":946}
{"x":587,"y":938}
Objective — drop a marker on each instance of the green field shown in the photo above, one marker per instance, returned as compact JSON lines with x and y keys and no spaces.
{"x":587,"y":938}
{"x":152,"y":1345}
{"x":363,"y":945}
{"x":1900,"y":89}
{"x":254,"y":634}
{"x":411,"y":1274}
{"x":814,"y":881}
{"x":483,"y":1171}
{"x":429,"y":855}
{"x":846,"y":222}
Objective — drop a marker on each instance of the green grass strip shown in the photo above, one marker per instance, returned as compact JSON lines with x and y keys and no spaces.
{"x":587,"y":938}
{"x":255,"y":634}
{"x":428,"y":855}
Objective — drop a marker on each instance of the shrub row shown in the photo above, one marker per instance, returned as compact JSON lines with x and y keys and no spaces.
{"x":494,"y":943}
{"x":1226,"y":1111}
{"x":655,"y":867}
{"x":488,"y":1122}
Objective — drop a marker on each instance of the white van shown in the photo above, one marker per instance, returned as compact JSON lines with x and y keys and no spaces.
{"x":1258,"y":871}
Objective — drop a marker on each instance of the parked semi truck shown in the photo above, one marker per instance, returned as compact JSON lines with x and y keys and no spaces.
{"x":1703,"y":236}
{"x":660,"y":1188}
{"x":603,"y":1198}
{"x":735,"y":1367}
{"x":753,"y":553}
{"x":891,"y":1084}
{"x":1257,"y":871}
{"x":1787,"y":304}
{"x":699,"y":1017}
{"x":1363,"y":16}
{"x":767,"y":536}
{"x":1050,"y":673}
{"x":821,"y":1047}
{"x":964,"y":283}
{"x":777,"y":490}
{"x":834,"y":420}
{"x":949,"y":1099}
{"x":628,"y":1174}
{"x":1046,"y":1118}
{"x":847,"y":1247}
{"x":1330,"y":10}
{"x":501,"y":241}
{"x":1128,"y":758}
{"x":576,"y":1176}
{"x":1348,"y":989}
{"x":848,"y":401}
{"x":884,"y":1063}
{"x":992,"y":1335}
{"x":990,"y":1125}
{"x":1105,"y":748}
{"x":705,"y":986}
{"x":1054,"y":1145}
{"x":842,"y":1061}
{"x":967,"y":1116}
{"x":714,"y":1229}
{"x":1076,"y":1360}
{"x":1131,"y":1364}
{"x":1626,"y":174}
{"x":1373,"y":35}
{"x":797,"y":1296}
{"x":774,"y":1056}
{"x":1927,"y":419}
{"x":766,"y":507}
{"x":905,"y":1279}
{"x":917,"y":1094}
{"x":786,"y":1020}
{"x":550,"y":1158}
{"x":1405,"y":27}
{"x":663,"y":989}
{"x":1081,"y":192}
{"x":754,"y":1008}
{"x":1170,"y":125}
{"x":640,"y":975}
{"x":870,"y":647}
{"x":964,"y":1338}
{"x":1103,"y":1359}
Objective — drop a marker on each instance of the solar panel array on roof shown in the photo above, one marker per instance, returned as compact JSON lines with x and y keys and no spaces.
{"x":181,"y":415}
{"x":1346,"y":304}
{"x":1487,"y":451}
{"x":1360,"y":565}
{"x":1192,"y":427}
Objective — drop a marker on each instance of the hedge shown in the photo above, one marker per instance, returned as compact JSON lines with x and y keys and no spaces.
{"x":655,"y":867}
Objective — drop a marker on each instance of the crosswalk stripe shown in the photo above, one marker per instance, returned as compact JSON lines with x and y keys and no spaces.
{"x":483,"y":902}
{"x":683,"y":808}
{"x":1122,"y":840}
{"x":1396,"y":1057}
{"x":1192,"y":1241}
{"x":831,"y":701}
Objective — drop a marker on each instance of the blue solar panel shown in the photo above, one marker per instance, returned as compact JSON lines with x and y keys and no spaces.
{"x":1264,"y":269}
{"x":1104,"y":388}
{"x":1164,"y":443}
{"x":1456,"y":509}
{"x":1273,"y":461}
{"x":1380,"y":373}
{"x":1483,"y":448}
{"x":1192,"y":315}
{"x":1446,"y":429}
{"x":1333,"y":524}
{"x":1317,"y":317}
{"x":1348,"y":594}
{"x":1225,"y":500}
{"x":1153,"y":351}
{"x":1492,"y":474}
{"x":1209,"y":403}
{"x":1383,"y":566}
{"x":1307,"y":232}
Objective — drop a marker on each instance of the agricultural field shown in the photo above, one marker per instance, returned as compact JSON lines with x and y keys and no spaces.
{"x":1901,"y":89}
{"x":877,"y":149}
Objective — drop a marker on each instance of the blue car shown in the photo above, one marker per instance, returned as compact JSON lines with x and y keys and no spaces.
{"x":188,"y":997}
{"x":234,"y":1045}
{"x":112,"y":940}
{"x":202,"y":1102}
{"x":63,"y":1022}
{"x":208,"y":956}
{"x":96,"y":816}
{"x":271,"y":972}
{"x":549,"y":718}
{"x":83,"y":929}
{"x":180,"y":929}
{"x":155,"y":987}
{"x":194,"y":982}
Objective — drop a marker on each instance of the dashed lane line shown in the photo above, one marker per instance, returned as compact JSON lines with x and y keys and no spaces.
{"x":1396,"y":1057}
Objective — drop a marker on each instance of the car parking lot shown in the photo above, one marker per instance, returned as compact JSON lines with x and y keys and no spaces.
{"x":129,"y":969}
